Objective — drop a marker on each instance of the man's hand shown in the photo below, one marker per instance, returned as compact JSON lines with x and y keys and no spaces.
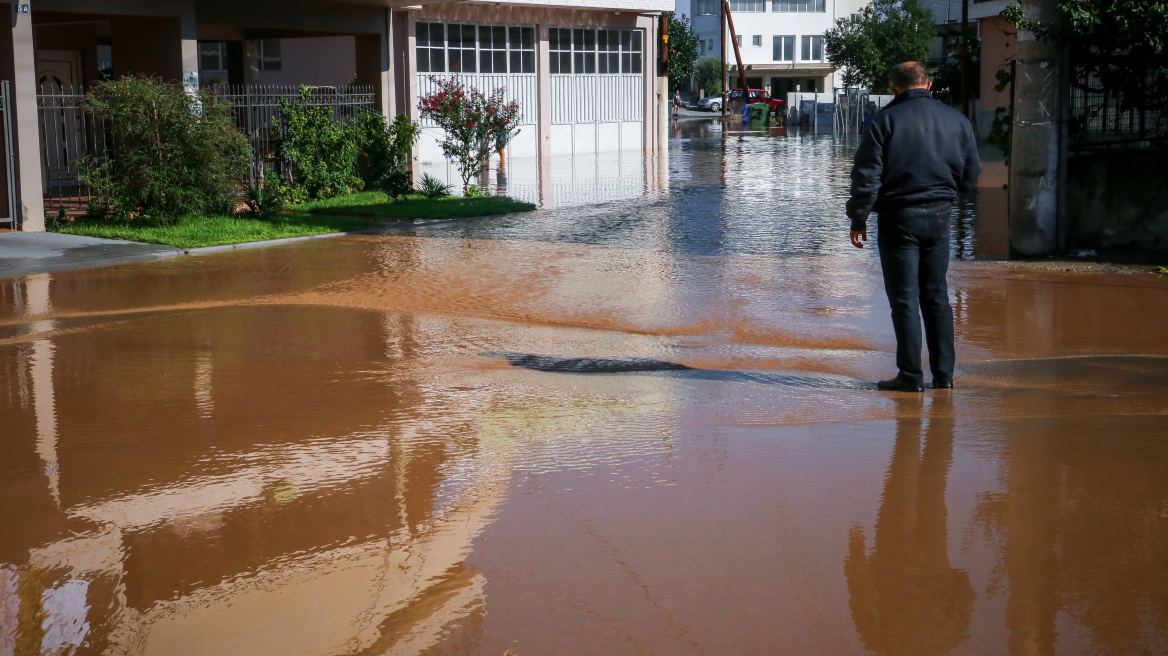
{"x":857,"y":235}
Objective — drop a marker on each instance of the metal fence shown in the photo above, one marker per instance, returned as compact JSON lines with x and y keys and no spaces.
{"x":256,"y":109}
{"x":69,"y":132}
{"x":1099,"y":121}
{"x":8,"y":178}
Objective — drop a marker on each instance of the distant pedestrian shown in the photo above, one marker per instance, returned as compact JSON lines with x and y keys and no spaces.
{"x":676,"y":102}
{"x":915,"y":157}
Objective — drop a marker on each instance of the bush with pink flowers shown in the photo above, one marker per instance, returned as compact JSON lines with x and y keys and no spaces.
{"x":476,"y":125}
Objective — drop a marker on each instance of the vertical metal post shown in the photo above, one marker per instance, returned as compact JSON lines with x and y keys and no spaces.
{"x":9,"y":153}
{"x":722,"y":39}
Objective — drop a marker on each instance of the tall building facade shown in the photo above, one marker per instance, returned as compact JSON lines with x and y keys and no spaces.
{"x":781,"y":41}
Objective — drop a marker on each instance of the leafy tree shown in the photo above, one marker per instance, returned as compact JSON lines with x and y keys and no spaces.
{"x":476,"y":125}
{"x":683,"y":50}
{"x":172,"y":152}
{"x":321,"y":150}
{"x":708,"y":73}
{"x":884,"y":34}
{"x":947,"y":74}
{"x":1118,"y":47}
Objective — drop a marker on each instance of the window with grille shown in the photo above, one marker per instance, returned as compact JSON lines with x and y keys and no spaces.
{"x":270,"y":58}
{"x":431,"y":49}
{"x":521,"y":45}
{"x":797,"y":5}
{"x":492,"y":49}
{"x":460,"y":48}
{"x":475,"y":48}
{"x":707,"y":7}
{"x":784,"y":48}
{"x":584,"y":52}
{"x":747,"y":5}
{"x":812,"y":49}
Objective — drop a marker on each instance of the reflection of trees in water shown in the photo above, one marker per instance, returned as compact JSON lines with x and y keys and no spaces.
{"x":906,"y":598}
{"x":1085,"y":533}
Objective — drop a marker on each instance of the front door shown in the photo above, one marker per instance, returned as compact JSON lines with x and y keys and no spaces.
{"x":62,"y":122}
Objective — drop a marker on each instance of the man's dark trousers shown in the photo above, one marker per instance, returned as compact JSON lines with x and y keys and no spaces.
{"x":914,"y":256}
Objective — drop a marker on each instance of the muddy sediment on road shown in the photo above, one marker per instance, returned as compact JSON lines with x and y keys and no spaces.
{"x":642,"y":438}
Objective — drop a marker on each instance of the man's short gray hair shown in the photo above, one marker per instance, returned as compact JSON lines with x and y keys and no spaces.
{"x":908,"y":75}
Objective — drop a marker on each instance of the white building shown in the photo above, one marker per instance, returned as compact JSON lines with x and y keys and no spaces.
{"x":781,"y":40}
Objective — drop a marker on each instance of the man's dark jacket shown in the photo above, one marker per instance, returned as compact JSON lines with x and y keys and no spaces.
{"x":916,"y":151}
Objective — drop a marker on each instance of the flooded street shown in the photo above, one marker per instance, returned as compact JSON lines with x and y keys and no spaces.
{"x":334,"y":446}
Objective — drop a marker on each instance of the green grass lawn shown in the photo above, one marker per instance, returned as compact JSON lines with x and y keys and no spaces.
{"x":376,"y":204}
{"x":343,"y":213}
{"x":198,"y":230}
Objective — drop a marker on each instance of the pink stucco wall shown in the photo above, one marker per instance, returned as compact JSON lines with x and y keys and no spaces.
{"x":999,"y":46}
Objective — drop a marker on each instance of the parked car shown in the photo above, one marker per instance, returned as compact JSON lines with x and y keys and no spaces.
{"x":714,"y":103}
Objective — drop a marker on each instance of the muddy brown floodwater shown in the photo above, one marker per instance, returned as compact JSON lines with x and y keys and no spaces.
{"x":324,"y":448}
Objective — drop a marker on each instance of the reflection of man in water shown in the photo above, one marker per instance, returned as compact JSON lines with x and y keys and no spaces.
{"x":915,"y":157}
{"x":905,"y":597}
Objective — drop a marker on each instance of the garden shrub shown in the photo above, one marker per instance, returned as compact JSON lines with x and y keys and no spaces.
{"x":172,"y":152}
{"x":433,"y":188}
{"x":385,"y":151}
{"x":476,"y":125}
{"x":321,"y":150}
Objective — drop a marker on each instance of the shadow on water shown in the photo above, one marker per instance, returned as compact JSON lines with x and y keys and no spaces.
{"x":554,"y":364}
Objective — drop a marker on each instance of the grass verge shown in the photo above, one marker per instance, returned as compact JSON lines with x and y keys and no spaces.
{"x":199,"y":230}
{"x":376,"y":204}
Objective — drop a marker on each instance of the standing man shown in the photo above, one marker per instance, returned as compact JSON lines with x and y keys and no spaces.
{"x":914,"y":159}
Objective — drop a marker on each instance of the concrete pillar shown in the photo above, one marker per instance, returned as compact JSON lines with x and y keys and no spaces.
{"x":543,"y":132}
{"x":189,"y":51}
{"x":1034,"y":158}
{"x":649,"y":61}
{"x":27,"y":126}
{"x":373,"y":68}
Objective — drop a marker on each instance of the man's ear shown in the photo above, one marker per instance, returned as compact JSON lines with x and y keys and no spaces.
{"x":929,"y":85}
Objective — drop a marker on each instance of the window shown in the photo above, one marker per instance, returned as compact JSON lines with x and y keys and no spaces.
{"x":270,"y":55}
{"x":460,"y":48}
{"x":521,"y":44}
{"x":431,"y":50}
{"x":797,"y":5}
{"x":608,"y":51}
{"x":585,"y":52}
{"x":812,"y":49}
{"x":492,"y":49}
{"x":212,"y":56}
{"x":560,"y":46}
{"x":702,"y":47}
{"x":708,"y":7}
{"x":784,"y":48}
{"x":756,"y":40}
{"x":105,"y":61}
{"x":471,"y":48}
{"x":738,"y":39}
{"x":747,"y":5}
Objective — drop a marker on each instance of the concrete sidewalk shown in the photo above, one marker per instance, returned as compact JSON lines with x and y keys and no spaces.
{"x":22,"y":253}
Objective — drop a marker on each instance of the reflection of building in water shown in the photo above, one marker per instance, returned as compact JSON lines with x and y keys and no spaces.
{"x":905,"y":596}
{"x":242,"y":517}
{"x":314,"y":493}
{"x":564,"y":181}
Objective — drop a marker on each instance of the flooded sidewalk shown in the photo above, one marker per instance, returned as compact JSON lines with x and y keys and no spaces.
{"x":346,"y":446}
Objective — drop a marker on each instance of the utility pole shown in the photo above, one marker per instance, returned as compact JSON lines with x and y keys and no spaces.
{"x":965,"y":57}
{"x":1035,"y":148}
{"x":737,"y":52}
{"x":722,"y":39}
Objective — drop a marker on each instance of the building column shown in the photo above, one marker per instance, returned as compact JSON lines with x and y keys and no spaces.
{"x":27,"y":127}
{"x":649,"y":60}
{"x":189,"y":50}
{"x":543,"y":132}
{"x":374,"y":67}
{"x":1034,"y":152}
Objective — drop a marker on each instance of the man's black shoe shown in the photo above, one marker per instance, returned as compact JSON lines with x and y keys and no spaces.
{"x":944,"y":384}
{"x":900,"y":384}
